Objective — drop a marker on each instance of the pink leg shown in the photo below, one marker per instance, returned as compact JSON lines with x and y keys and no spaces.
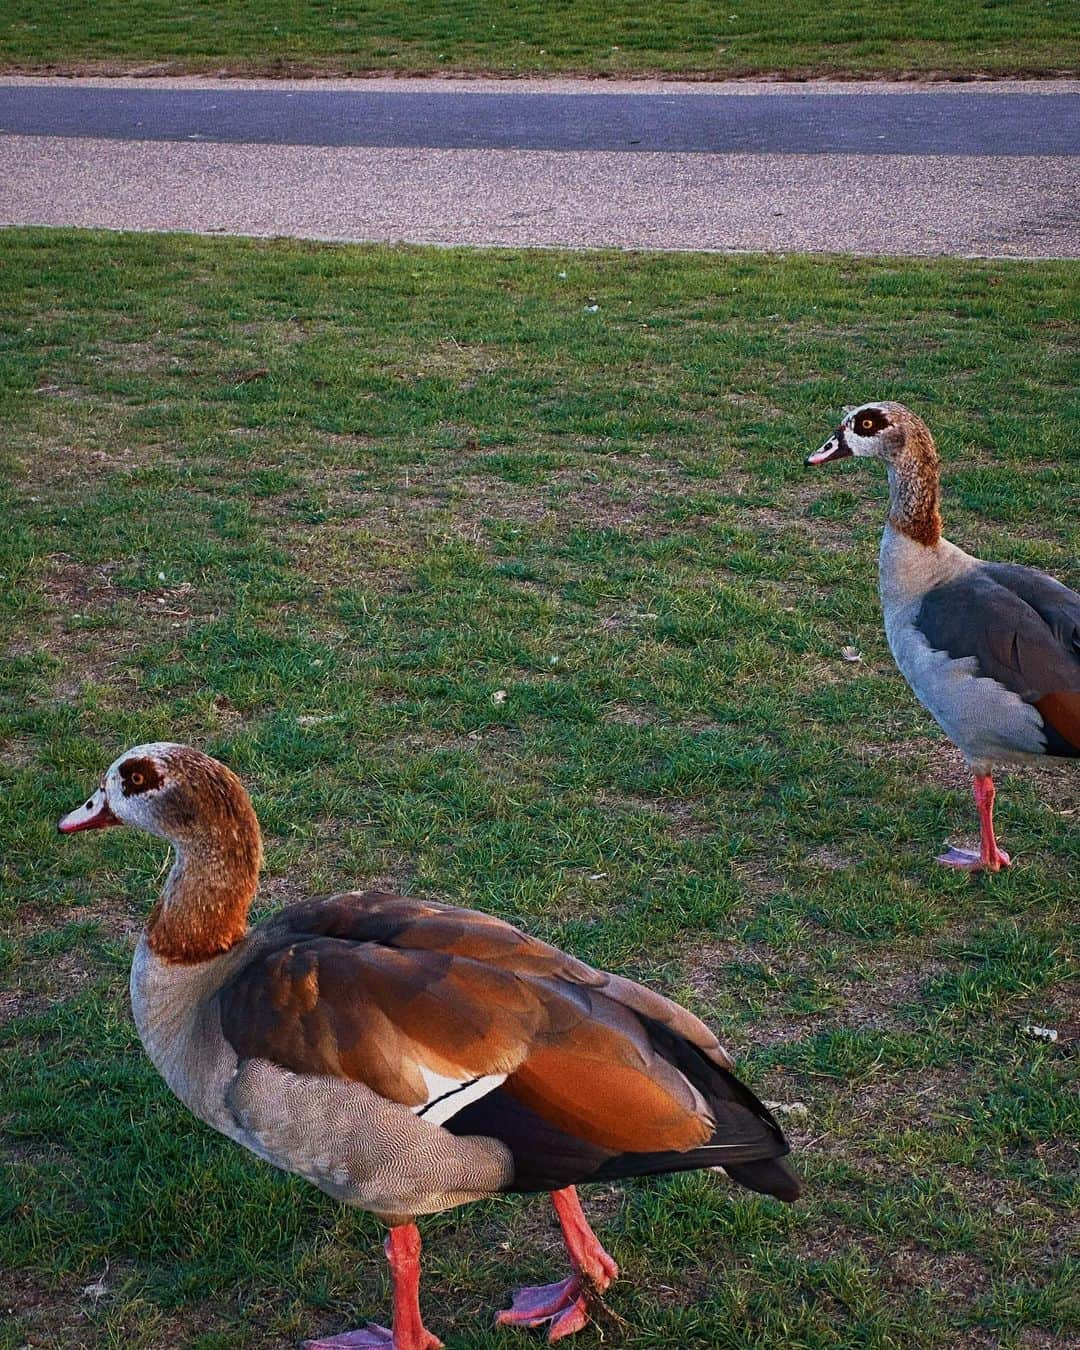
{"x":566,"y":1305}
{"x":990,"y":858}
{"x":409,"y":1333}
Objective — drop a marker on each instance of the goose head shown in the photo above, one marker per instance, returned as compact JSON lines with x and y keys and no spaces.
{"x":203,"y":810}
{"x":873,"y":431}
{"x":168,"y":790}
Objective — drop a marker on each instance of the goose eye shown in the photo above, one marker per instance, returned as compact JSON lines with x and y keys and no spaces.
{"x":867,"y":424}
{"x":140,"y":776}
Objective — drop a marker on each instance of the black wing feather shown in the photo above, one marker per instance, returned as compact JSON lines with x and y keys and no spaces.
{"x":747,"y":1141}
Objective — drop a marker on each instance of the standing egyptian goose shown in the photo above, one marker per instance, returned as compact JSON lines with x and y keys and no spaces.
{"x":407,"y":1056}
{"x":991,"y":649}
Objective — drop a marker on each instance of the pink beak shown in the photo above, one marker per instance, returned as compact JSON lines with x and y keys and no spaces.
{"x":834,"y":448}
{"x":92,"y":815}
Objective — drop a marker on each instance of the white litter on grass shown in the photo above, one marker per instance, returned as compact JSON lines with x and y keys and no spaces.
{"x":99,"y":1288}
{"x":851,"y":653}
{"x":793,"y":1110}
{"x":1040,"y":1033}
{"x":592,"y":309}
{"x":498,"y":697}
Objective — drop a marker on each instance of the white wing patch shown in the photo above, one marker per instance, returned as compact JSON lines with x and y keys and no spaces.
{"x":448,"y":1096}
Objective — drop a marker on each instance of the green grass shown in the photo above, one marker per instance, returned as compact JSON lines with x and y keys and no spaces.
{"x":312,"y":508}
{"x":690,"y":37}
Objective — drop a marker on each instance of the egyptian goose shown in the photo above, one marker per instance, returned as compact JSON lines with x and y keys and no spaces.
{"x":407,"y":1056}
{"x":991,"y":649}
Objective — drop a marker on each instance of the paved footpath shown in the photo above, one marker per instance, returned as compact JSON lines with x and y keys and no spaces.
{"x":982,"y":169}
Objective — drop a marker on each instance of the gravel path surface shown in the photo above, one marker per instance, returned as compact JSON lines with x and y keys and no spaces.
{"x":980,"y":169}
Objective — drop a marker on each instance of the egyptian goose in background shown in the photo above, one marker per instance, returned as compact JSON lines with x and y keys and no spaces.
{"x":407,"y":1056}
{"x":991,"y":649}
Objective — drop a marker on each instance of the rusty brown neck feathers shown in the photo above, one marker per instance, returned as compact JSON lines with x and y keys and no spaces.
{"x":913,"y":487}
{"x":204,"y":907}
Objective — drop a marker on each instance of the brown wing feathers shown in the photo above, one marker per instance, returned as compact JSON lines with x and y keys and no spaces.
{"x":375,"y":988}
{"x":375,"y":1015}
{"x":601,"y":1084}
{"x":553,"y":1146}
{"x":1061,"y":714}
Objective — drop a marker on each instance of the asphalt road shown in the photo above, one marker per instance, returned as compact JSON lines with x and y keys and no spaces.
{"x":933,"y":123}
{"x":917,"y":170}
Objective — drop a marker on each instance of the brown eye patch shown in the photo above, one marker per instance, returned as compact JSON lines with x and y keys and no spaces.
{"x":870,"y":421}
{"x":138,"y":775}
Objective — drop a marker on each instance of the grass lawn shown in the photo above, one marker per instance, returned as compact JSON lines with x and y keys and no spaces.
{"x":689,"y":37}
{"x":312,"y":508}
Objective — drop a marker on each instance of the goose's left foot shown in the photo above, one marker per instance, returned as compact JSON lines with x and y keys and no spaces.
{"x":970,"y":861}
{"x":989,"y":858}
{"x":567,"y":1305}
